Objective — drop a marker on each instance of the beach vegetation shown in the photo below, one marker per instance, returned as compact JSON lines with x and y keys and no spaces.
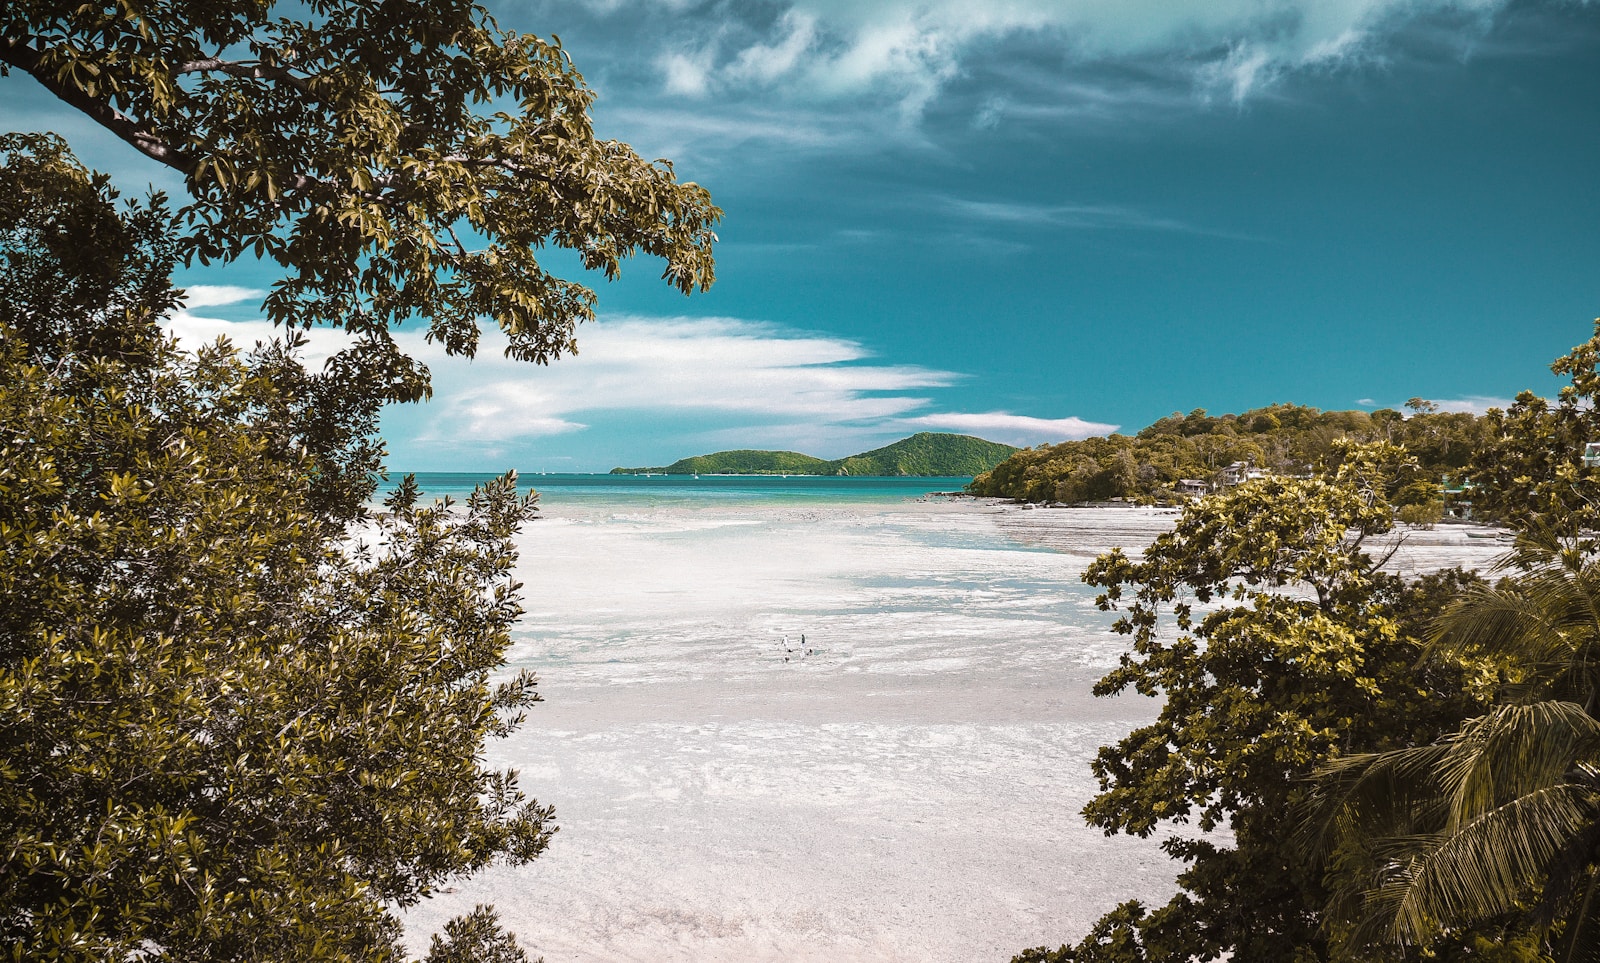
{"x":243,"y":717}
{"x":244,"y":709}
{"x":1501,"y":816}
{"x":1401,"y":770}
{"x":396,"y":162}
{"x":1276,"y":643}
{"x":1530,"y":472}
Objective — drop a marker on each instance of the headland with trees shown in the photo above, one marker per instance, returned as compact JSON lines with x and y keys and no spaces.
{"x":1183,"y":455}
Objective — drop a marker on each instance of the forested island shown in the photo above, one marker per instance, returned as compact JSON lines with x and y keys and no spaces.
{"x":927,"y":453}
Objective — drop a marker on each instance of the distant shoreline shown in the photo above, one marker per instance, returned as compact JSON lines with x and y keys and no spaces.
{"x":634,"y":474}
{"x":923,"y":455}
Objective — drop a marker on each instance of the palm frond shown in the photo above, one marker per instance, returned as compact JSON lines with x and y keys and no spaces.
{"x":1511,"y":751}
{"x":1489,"y":864}
{"x":1371,"y":795}
{"x":1542,"y":625}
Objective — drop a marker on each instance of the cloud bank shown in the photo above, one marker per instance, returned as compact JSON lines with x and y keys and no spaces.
{"x":727,"y":379}
{"x":909,"y":50}
{"x":778,"y":383}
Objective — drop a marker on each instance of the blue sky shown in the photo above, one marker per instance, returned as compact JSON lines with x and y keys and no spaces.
{"x":1034,"y":221}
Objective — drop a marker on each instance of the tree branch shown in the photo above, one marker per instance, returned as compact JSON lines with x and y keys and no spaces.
{"x":247,"y":71}
{"x":16,"y":52}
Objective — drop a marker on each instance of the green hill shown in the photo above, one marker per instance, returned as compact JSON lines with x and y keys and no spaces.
{"x":925,"y":453}
{"x":741,"y":462}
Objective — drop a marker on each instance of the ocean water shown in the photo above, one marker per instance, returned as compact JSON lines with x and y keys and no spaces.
{"x":813,"y":720}
{"x":690,"y":490}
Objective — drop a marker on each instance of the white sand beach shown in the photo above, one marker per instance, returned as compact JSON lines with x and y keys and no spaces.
{"x":904,"y":784}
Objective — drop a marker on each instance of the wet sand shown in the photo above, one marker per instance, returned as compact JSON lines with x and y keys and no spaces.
{"x":904,"y":785}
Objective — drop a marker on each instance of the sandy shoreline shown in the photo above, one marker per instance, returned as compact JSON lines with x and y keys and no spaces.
{"x":907,"y":791}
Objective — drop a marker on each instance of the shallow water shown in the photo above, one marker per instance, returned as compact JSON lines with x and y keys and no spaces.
{"x":904,"y":784}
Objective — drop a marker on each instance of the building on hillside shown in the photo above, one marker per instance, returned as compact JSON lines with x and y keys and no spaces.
{"x":1591,"y":454}
{"x":1457,"y":498}
{"x":1238,"y":473}
{"x":1192,"y":487}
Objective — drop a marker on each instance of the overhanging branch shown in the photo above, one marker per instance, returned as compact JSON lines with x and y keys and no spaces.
{"x":17,"y":52}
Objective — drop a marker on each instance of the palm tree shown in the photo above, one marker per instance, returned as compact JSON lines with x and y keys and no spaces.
{"x":1502,"y":818}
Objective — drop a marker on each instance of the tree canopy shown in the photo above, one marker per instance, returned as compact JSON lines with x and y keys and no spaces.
{"x":399,"y":161}
{"x":243,"y":713}
{"x":1276,"y":644}
{"x":1502,"y":816}
{"x":1530,"y":472}
{"x":1407,"y":769}
{"x":235,"y":724}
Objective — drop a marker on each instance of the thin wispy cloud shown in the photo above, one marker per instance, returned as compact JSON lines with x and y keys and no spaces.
{"x":1032,"y":216}
{"x":1472,"y":404}
{"x":1062,"y":215}
{"x":909,"y":50}
{"x":194,"y":331}
{"x":702,"y":367}
{"x":1013,"y":429}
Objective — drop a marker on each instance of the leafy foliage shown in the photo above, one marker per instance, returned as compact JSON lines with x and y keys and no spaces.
{"x":475,"y":938}
{"x":1530,"y":473}
{"x":241,"y":717}
{"x":1502,"y":816}
{"x":1276,"y":645}
{"x":402,"y":160}
{"x":1448,"y":727}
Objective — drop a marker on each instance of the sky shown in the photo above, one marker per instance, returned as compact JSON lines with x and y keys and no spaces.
{"x":1035,"y":221}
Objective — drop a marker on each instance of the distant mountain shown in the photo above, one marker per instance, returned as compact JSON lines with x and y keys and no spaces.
{"x":925,"y":453}
{"x":741,"y":462}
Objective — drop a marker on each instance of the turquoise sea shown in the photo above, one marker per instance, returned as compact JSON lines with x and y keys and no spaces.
{"x":669,"y":489}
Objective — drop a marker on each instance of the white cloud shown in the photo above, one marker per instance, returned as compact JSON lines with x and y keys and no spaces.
{"x":766,"y":63}
{"x":686,"y":73}
{"x":214,"y":295}
{"x":1473,"y":404}
{"x":1247,"y":68}
{"x":716,"y":367}
{"x":196,"y":331}
{"x":755,"y":382}
{"x":910,"y":49}
{"x":1013,"y":429}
